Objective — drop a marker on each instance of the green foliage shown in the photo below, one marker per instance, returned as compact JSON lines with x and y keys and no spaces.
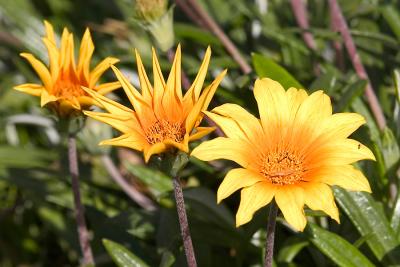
{"x":37,"y":226}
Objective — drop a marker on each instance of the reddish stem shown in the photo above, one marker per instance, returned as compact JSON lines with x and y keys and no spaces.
{"x":204,"y":20}
{"x":79,"y":209}
{"x":183,"y":222}
{"x":341,"y":25}
{"x":131,"y":191}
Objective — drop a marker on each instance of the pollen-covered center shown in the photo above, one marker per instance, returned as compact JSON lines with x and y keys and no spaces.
{"x":68,"y":88}
{"x":163,"y":130}
{"x":282,"y":167}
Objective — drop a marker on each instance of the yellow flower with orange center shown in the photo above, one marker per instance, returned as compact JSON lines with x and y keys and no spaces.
{"x":61,"y":89}
{"x":162,"y":118}
{"x":293,"y":153}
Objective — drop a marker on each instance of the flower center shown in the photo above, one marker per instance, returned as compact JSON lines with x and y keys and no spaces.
{"x":164,"y":130}
{"x":282,"y":168}
{"x":67,"y":88}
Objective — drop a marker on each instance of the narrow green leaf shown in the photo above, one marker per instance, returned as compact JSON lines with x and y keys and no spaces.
{"x":291,"y":248}
{"x":350,"y":93}
{"x":21,"y":157}
{"x":369,"y":219}
{"x":266,"y":67}
{"x":391,"y":15}
{"x":339,"y":250}
{"x":395,"y":220}
{"x":121,"y":256}
{"x":157,"y":181}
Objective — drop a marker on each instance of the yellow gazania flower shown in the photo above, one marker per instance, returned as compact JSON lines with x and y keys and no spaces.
{"x":162,"y":118}
{"x":61,"y":89}
{"x":293,"y":153}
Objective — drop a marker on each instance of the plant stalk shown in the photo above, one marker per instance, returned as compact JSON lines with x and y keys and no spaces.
{"x":340,"y":24}
{"x":183,"y":222}
{"x":79,"y":209}
{"x":141,"y":199}
{"x":269,"y":247}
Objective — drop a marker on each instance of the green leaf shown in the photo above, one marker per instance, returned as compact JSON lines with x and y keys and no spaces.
{"x":350,"y":93}
{"x":22,"y":157}
{"x":339,"y":250}
{"x":157,"y":181}
{"x":391,"y":15}
{"x":291,"y":248}
{"x":369,"y":219}
{"x":395,"y":220}
{"x":122,"y":256}
{"x":266,"y":67}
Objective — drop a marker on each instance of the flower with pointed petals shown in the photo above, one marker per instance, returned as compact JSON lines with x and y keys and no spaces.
{"x":61,"y":89}
{"x":162,"y":118}
{"x":293,"y":153}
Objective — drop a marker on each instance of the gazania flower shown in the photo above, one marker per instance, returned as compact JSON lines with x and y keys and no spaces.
{"x":161,"y":118}
{"x":293,"y":153}
{"x":61,"y":89}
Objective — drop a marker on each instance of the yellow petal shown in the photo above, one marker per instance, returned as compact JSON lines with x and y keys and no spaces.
{"x":159,"y":81}
{"x":100,"y":69}
{"x":49,"y":32}
{"x":201,"y":132}
{"x":235,"y":180}
{"x":319,"y":196}
{"x":54,"y":58}
{"x":225,"y":148}
{"x":173,"y":88}
{"x":30,"y":88}
{"x":106,"y":88}
{"x":194,"y":118}
{"x":110,"y":105}
{"x":132,"y":140}
{"x":154,"y":149}
{"x":345,"y":176}
{"x":272,"y":103}
{"x":64,"y":48}
{"x":159,"y":85}
{"x":310,"y":116}
{"x":184,"y":146}
{"x":85,"y":55}
{"x":248,"y":124}
{"x":338,"y":152}
{"x":40,"y":69}
{"x":66,"y":107}
{"x":193,"y":94}
{"x":68,"y":59}
{"x":145,"y":86}
{"x":290,"y":200}
{"x":230,"y":127}
{"x":134,"y":96}
{"x":295,"y":97}
{"x":45,"y":98}
{"x":341,"y":125}
{"x":253,"y":198}
{"x":124,"y":124}
{"x":86,"y":101}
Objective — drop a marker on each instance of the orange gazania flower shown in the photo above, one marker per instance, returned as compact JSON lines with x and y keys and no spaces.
{"x":293,"y":153}
{"x":61,"y":89}
{"x":161,"y":119}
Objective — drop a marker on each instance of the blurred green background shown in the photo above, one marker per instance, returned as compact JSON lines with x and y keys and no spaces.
{"x":37,"y":226}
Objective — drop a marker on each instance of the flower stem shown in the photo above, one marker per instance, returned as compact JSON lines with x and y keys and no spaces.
{"x":79,"y":210}
{"x":141,"y":199}
{"x":183,"y":222}
{"x":269,"y":248}
{"x":341,"y":25}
